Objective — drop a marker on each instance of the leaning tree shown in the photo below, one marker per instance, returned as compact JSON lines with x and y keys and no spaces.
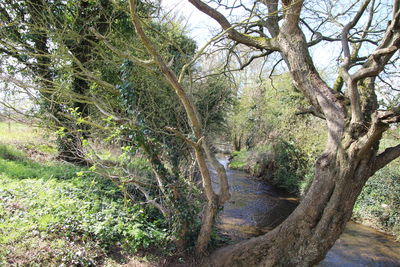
{"x":354,"y":120}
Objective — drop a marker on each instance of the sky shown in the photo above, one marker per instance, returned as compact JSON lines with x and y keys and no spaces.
{"x":200,"y":28}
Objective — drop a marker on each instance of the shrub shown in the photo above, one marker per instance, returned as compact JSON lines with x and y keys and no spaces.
{"x":238,"y":160}
{"x":283,"y":164}
{"x":379,"y":201}
{"x":291,"y":166}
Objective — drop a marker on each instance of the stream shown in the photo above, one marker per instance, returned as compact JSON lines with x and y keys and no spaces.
{"x":256,"y":207}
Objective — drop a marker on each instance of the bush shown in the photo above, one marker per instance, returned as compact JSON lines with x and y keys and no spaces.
{"x":238,"y":160}
{"x":283,"y":164}
{"x":379,"y":202}
{"x":291,"y":166}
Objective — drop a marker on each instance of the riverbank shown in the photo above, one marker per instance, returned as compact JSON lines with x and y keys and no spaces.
{"x":377,"y":206}
{"x":256,"y":207}
{"x":84,"y":219}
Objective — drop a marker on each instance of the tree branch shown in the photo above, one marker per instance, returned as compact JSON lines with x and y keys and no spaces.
{"x":379,"y":58}
{"x":120,"y":53}
{"x":354,"y":94}
{"x":311,"y":110}
{"x":273,"y":19}
{"x":345,"y":33}
{"x":386,"y":157}
{"x":292,"y":10}
{"x":256,"y":42}
{"x":212,"y":198}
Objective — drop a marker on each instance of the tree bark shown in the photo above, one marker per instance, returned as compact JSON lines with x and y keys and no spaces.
{"x":304,"y":238}
{"x":200,"y":147}
{"x":69,"y":146}
{"x":350,"y":156}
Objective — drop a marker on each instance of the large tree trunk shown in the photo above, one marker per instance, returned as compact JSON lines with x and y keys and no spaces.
{"x":311,"y":230}
{"x":69,"y":145}
{"x":350,"y":157}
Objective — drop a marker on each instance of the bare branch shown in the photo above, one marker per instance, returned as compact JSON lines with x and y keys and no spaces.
{"x":273,"y":19}
{"x":378,"y":59}
{"x":256,"y":42}
{"x":200,"y":52}
{"x":345,"y":33}
{"x":108,"y":114}
{"x":183,"y":137}
{"x":311,"y":110}
{"x":120,"y":53}
{"x":244,"y":65}
{"x":386,"y":157}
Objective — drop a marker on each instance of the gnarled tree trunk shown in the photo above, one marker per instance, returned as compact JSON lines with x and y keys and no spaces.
{"x":354,"y":132}
{"x":310,"y":231}
{"x":69,"y":145}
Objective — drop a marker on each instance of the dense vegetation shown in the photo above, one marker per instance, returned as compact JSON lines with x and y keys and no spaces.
{"x":125,"y":115}
{"x":53,"y":213}
{"x":281,"y":147}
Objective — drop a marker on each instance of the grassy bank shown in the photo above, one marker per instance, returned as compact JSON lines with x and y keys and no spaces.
{"x":18,"y":133}
{"x":377,"y":206}
{"x":283,"y":164}
{"x":54,"y":214}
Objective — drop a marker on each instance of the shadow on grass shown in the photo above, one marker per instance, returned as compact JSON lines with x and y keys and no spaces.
{"x":15,"y":165}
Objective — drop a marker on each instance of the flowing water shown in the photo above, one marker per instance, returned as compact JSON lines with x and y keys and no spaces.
{"x":256,"y":207}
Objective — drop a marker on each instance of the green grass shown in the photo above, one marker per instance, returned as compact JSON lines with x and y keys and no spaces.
{"x":49,"y":215}
{"x":17,"y":133}
{"x":32,"y":139}
{"x":10,"y":153}
{"x":239,"y":160}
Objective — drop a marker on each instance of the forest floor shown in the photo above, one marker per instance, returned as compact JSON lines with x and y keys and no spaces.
{"x":54,"y":213}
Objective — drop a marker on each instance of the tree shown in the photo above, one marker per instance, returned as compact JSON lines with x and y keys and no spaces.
{"x":99,"y":80}
{"x":354,"y":121}
{"x":26,"y":38}
{"x":200,"y":145}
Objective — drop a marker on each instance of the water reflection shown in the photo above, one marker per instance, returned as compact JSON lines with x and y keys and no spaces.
{"x":256,"y":207}
{"x":360,"y":246}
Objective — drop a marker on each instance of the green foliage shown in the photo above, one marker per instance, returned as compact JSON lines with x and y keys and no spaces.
{"x":78,"y":219}
{"x":214,"y":100}
{"x":291,"y":166}
{"x":239,"y":160}
{"x":265,"y":114}
{"x":266,"y":124}
{"x":283,"y":164}
{"x":10,"y":153}
{"x":379,"y":201}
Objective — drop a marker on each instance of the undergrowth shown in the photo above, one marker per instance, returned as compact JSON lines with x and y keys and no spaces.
{"x":379,"y":202}
{"x":283,"y":164}
{"x":51,"y":216}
